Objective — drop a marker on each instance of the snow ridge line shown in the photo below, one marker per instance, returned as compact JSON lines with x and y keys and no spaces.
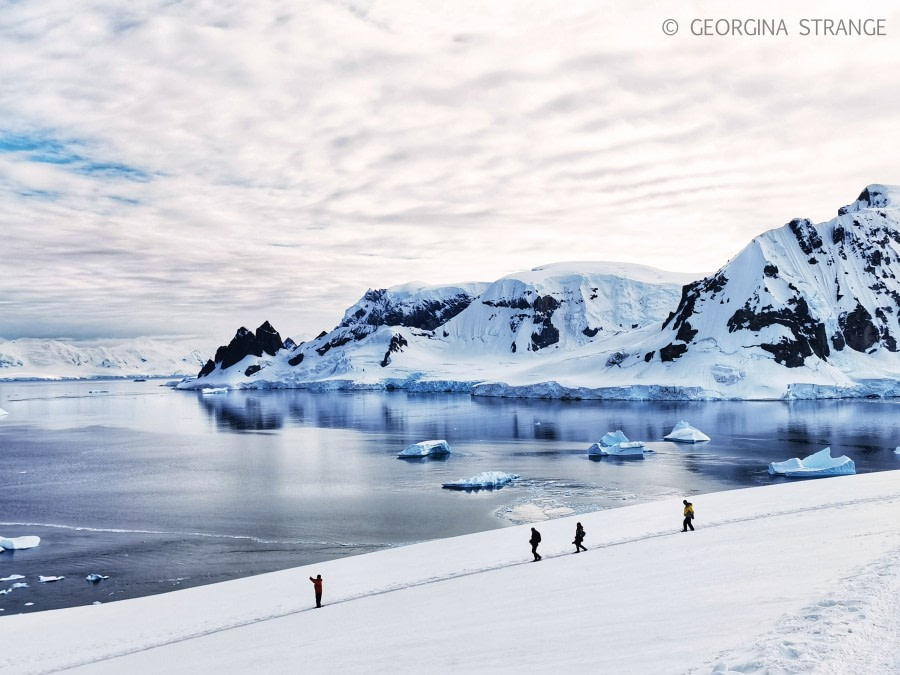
{"x":461,"y":574}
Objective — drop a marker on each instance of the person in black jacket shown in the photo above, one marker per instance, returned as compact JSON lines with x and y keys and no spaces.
{"x":579,"y":537}
{"x":534,"y":541}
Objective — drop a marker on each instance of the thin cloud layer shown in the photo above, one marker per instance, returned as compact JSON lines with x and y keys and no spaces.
{"x":187,"y":168}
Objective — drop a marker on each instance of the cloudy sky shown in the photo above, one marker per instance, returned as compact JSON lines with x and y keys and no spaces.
{"x":185,"y":168}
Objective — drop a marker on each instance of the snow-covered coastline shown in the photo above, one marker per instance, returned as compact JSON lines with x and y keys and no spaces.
{"x":34,"y":359}
{"x":645,"y":598}
{"x":804,"y":311}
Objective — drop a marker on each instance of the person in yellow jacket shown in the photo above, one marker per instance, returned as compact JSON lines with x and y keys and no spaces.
{"x":688,"y":516}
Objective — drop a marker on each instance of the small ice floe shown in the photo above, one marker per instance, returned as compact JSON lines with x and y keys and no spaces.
{"x":438,"y":448}
{"x":206,"y":391}
{"x":19,"y":584}
{"x":616,"y":444}
{"x":45,"y":580}
{"x":12,"y":577}
{"x":685,"y":433}
{"x":815,"y":466}
{"x":3,"y":412}
{"x":29,"y":604}
{"x":94,"y":578}
{"x":486,"y":480}
{"x":16,"y":543}
{"x":897,"y":450}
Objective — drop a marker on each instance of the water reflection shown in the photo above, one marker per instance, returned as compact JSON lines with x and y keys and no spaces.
{"x":243,"y":412}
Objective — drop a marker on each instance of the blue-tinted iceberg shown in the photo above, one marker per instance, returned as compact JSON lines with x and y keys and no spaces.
{"x":685,"y":433}
{"x":426,"y":449}
{"x":814,"y":466}
{"x":616,"y":444}
{"x":15,"y":543}
{"x":485,"y":480}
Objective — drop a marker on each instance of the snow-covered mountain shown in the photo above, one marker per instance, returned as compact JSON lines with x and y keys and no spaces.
{"x":804,"y":311}
{"x":33,"y":358}
{"x":448,"y":338}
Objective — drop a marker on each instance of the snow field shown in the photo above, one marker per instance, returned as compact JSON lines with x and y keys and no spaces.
{"x":772,"y":581}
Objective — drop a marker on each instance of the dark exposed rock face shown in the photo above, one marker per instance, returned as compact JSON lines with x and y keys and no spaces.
{"x":397,"y":343}
{"x":265,"y":341}
{"x":859,"y":331}
{"x":809,"y":335}
{"x":383,"y":310}
{"x":545,"y":333}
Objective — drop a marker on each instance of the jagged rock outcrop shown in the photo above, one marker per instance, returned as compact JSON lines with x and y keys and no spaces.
{"x":265,"y":340}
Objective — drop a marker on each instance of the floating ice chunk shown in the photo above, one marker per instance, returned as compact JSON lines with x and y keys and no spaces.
{"x":94,"y":578}
{"x":3,"y":412}
{"x":616,"y":443}
{"x":485,"y":480}
{"x":214,"y":390}
{"x":45,"y":580}
{"x":814,"y":466}
{"x":16,"y":543}
{"x":12,"y":577}
{"x":613,"y":438}
{"x":685,"y":433}
{"x":426,"y":449}
{"x":624,"y":449}
{"x":897,"y":450}
{"x":20,"y":584}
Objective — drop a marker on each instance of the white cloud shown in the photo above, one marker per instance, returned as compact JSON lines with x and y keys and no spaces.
{"x":219,"y":164}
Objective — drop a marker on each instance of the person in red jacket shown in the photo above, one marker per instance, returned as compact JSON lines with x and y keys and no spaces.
{"x":317,"y":584}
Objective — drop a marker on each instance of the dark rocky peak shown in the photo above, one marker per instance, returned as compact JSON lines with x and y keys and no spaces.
{"x":244,"y":343}
{"x":269,"y":339}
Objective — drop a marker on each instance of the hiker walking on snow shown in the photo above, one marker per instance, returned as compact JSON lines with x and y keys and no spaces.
{"x":534,"y":541}
{"x":317,"y":584}
{"x":579,"y":537}
{"x":688,"y":516}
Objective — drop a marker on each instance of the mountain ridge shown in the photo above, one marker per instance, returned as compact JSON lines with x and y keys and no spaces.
{"x":804,"y":310}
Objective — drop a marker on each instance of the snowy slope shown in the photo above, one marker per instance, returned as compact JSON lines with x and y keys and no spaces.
{"x":804,"y":311}
{"x":766,"y":584}
{"x":32,"y":358}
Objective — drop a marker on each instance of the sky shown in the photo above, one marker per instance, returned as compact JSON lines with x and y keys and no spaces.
{"x":186,"y":168}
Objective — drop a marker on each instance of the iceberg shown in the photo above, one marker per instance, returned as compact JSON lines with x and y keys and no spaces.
{"x":13,"y":577}
{"x":94,"y":578}
{"x":616,"y":444}
{"x":45,"y":580}
{"x":426,"y":449}
{"x":685,"y":433}
{"x":814,"y":466}
{"x":487,"y":480}
{"x":613,"y":437}
{"x":16,"y":543}
{"x":214,"y":390}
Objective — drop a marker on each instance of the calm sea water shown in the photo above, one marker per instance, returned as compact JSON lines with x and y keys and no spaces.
{"x":161,"y":489}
